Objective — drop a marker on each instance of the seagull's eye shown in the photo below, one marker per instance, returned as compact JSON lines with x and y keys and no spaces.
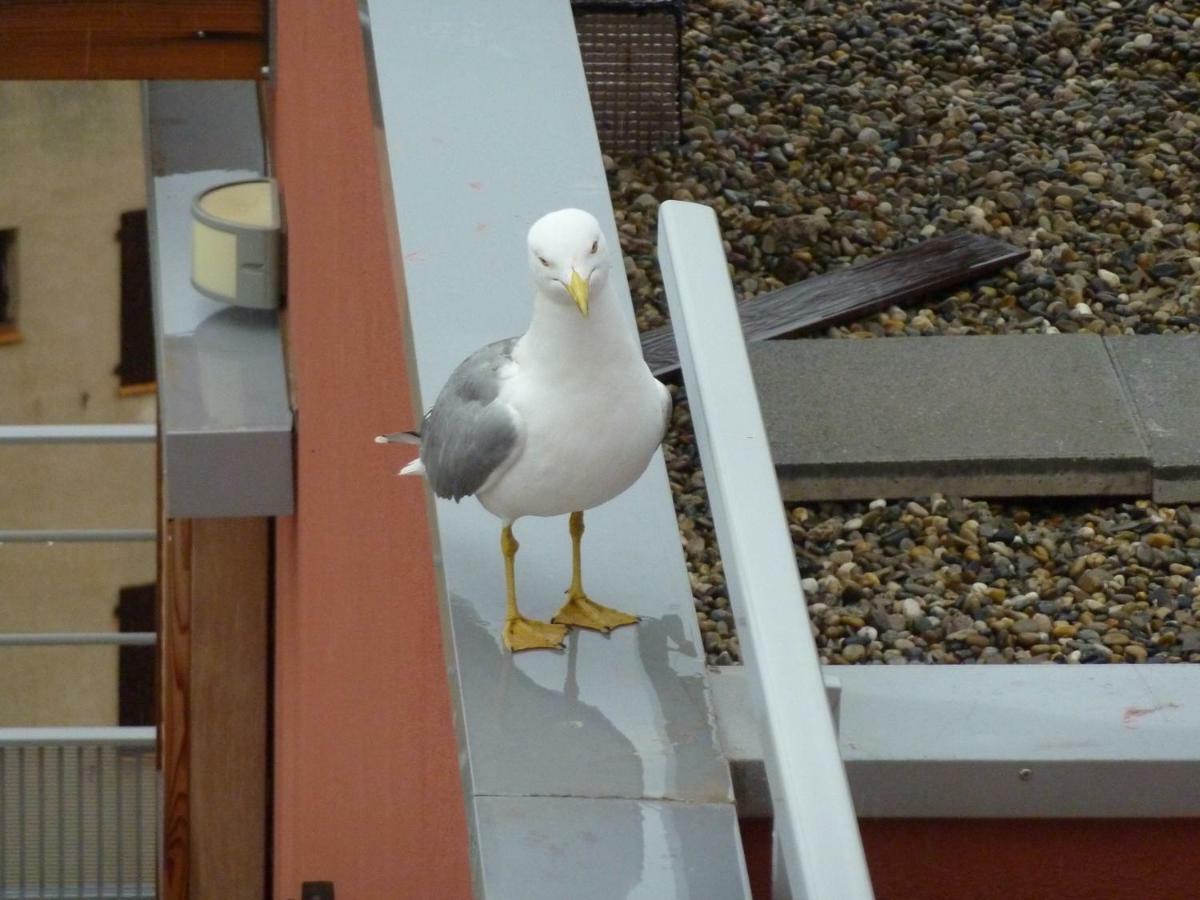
{"x":595,"y":245}
{"x":543,"y":261}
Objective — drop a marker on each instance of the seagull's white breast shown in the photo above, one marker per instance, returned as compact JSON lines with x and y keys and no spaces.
{"x":589,"y":434}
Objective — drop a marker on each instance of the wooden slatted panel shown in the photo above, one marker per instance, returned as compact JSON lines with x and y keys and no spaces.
{"x":175,"y":665}
{"x":132,"y":39}
{"x":938,"y":264}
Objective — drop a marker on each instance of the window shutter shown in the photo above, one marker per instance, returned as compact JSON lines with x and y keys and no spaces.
{"x":135,"y":665}
{"x":137,"y":317}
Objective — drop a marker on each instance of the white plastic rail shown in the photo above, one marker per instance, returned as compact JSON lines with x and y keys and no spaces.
{"x":815,"y":825}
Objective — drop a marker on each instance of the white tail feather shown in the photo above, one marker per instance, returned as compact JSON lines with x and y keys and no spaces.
{"x":416,"y":467}
{"x":398,"y":437}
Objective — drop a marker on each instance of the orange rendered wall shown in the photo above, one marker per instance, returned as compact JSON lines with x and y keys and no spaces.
{"x":366,"y":783}
{"x":1014,"y":859}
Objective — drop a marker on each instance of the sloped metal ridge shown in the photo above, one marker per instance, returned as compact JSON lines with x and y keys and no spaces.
{"x":222,"y":385}
{"x":593,"y":773}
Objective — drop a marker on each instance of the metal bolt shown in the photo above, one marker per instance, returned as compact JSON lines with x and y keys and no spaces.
{"x":202,"y":35}
{"x":265,"y":71}
{"x":1025,"y":774}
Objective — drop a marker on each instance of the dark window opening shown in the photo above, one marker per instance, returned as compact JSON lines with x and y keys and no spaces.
{"x":135,"y":665}
{"x":8,"y":300}
{"x":136,"y":369}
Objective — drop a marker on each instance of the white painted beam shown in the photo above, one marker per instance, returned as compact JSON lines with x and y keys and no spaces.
{"x":815,"y":822}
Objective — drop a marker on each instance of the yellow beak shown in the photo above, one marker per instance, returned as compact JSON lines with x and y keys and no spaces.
{"x":578,"y":289}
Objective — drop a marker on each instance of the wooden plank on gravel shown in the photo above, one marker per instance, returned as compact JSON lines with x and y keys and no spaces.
{"x":895,"y":279}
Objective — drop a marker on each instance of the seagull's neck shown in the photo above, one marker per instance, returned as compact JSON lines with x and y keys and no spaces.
{"x":560,"y":338}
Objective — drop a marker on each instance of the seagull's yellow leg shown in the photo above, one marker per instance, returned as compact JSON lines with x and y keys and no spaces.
{"x":521,"y":633}
{"x":580,"y":610}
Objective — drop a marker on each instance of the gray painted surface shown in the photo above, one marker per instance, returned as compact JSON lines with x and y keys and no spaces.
{"x":998,"y":741}
{"x":552,"y":848}
{"x":740,"y":726}
{"x":482,"y":138}
{"x":1162,"y":374}
{"x":978,"y":416}
{"x":223,"y":401}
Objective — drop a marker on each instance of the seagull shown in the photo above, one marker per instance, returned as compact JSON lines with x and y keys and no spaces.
{"x":554,"y":422}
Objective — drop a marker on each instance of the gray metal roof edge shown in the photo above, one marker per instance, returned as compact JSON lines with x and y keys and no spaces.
{"x":635,"y":691}
{"x":993,"y":750}
{"x":227,"y":449}
{"x":993,"y":465}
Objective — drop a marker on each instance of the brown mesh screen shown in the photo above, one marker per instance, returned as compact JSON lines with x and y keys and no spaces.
{"x":631,"y":57}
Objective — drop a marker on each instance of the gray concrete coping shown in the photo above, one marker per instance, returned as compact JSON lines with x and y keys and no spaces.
{"x":1011,"y":415}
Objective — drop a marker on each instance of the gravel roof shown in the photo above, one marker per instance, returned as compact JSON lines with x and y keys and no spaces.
{"x":825,"y":133}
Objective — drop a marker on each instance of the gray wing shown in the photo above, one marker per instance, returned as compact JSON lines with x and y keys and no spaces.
{"x":468,"y":435}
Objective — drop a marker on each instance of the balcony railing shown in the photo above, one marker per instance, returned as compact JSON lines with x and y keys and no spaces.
{"x":78,"y":806}
{"x":78,"y":813}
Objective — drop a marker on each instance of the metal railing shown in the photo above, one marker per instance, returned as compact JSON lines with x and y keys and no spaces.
{"x":78,"y":806}
{"x":75,"y":535}
{"x":78,"y":639}
{"x":78,"y":434}
{"x":17,"y":435}
{"x":78,"y":813}
{"x":819,"y":850}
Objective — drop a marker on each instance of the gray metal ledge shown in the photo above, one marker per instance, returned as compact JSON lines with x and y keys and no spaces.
{"x":996,"y":741}
{"x":223,"y":400}
{"x":595,"y":772}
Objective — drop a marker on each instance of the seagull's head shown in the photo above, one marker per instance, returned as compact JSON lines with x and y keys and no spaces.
{"x":568,"y":256}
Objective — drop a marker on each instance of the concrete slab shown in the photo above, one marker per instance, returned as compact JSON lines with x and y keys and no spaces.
{"x":1161,"y":374}
{"x":1011,"y":415}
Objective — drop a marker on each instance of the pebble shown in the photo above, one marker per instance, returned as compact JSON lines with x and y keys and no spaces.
{"x":828,"y":133}
{"x":853,"y":652}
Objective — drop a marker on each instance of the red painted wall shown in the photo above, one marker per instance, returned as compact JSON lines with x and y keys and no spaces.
{"x":367,"y":790}
{"x":1015,"y":859}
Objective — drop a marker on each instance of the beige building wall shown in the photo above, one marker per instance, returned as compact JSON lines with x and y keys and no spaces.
{"x":70,"y":163}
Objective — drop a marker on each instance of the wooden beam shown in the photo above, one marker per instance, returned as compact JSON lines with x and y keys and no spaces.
{"x":132,"y":39}
{"x":213,"y":694}
{"x":228,"y":724}
{"x":938,"y":264}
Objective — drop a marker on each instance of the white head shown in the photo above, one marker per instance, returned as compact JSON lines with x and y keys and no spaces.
{"x":568,"y":256}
